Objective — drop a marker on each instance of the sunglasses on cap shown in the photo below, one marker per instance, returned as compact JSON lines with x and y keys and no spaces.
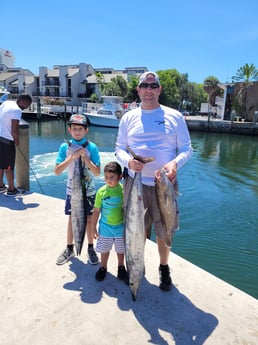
{"x":146,"y":85}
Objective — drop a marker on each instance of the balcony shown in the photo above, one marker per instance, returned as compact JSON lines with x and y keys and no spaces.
{"x":51,"y":83}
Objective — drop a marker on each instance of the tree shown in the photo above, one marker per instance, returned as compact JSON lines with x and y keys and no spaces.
{"x":100,"y":80}
{"x":211,"y":87}
{"x":117,"y":87}
{"x":132,"y":94}
{"x":195,"y":96}
{"x":94,"y":98}
{"x":111,"y":89}
{"x":177,"y":91}
{"x":170,"y":95}
{"x":245,"y":75}
{"x":184,"y":91}
{"x":122,"y":85}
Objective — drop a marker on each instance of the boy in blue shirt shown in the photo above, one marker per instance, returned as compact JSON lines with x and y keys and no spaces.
{"x":78,"y":147}
{"x":108,"y":206}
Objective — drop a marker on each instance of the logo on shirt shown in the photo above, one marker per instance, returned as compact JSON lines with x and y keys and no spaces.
{"x":160,"y":122}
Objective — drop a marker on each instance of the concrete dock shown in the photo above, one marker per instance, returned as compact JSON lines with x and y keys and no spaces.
{"x":201,"y":124}
{"x":42,"y":303}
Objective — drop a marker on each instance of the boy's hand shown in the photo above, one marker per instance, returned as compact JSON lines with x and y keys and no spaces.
{"x":95,"y":234}
{"x":79,"y":153}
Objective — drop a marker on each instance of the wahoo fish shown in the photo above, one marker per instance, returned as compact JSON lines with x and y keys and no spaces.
{"x":78,"y":205}
{"x":166,"y":193}
{"x":135,"y":231}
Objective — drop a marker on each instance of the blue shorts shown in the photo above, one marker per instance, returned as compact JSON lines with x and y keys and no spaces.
{"x":89,"y":204}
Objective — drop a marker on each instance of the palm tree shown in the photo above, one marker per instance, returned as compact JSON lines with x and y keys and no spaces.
{"x":245,"y":75}
{"x":120,"y":82}
{"x":210,"y":86}
{"x":100,"y":80}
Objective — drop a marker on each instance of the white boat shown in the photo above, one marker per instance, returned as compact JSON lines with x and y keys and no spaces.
{"x":108,"y":115}
{"x":3,"y":94}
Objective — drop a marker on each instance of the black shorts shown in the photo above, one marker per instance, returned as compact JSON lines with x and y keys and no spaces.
{"x":89,"y":204}
{"x":7,"y":154}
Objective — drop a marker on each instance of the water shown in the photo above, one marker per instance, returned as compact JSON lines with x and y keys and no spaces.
{"x":218,"y":202}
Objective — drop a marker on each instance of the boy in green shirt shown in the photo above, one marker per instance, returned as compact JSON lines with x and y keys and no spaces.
{"x":109,"y":208}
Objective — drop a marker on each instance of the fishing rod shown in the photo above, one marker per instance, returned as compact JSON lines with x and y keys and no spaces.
{"x":26,"y":161}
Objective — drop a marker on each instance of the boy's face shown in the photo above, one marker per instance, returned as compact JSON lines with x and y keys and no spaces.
{"x":111,"y":179}
{"x":78,"y":132}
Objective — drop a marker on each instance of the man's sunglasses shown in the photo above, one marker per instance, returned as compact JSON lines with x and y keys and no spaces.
{"x":146,"y":85}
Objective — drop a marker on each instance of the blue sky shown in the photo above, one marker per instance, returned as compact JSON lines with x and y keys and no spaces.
{"x":201,"y":37}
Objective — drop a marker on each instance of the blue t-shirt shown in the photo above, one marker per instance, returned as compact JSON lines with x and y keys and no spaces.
{"x":92,"y":152}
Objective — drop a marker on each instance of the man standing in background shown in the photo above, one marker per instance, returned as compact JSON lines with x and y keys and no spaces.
{"x":10,"y":115}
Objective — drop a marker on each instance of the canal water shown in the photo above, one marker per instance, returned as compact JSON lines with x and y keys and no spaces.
{"x":218,"y":200}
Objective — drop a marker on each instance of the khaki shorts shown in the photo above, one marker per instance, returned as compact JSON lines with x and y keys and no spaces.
{"x":152,"y":215}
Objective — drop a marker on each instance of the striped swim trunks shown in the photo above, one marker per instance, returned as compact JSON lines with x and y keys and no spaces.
{"x":104,"y":244}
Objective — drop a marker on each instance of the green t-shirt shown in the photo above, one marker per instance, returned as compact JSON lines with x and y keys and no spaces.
{"x":110,"y":202}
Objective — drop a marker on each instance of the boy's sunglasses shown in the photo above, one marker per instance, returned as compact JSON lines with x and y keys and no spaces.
{"x":146,"y":85}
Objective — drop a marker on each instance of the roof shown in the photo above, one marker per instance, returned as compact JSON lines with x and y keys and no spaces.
{"x":107,"y":77}
{"x":54,"y":73}
{"x":6,"y":75}
{"x":27,"y":79}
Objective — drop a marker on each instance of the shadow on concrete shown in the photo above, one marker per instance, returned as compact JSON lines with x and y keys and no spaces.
{"x":15,"y":203}
{"x":163,"y":315}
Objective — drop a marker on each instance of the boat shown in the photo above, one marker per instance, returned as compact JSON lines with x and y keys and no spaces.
{"x":108,"y":115}
{"x":3,"y":94}
{"x":34,"y":115}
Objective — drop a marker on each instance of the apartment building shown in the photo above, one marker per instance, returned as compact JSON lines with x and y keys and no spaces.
{"x":72,"y":84}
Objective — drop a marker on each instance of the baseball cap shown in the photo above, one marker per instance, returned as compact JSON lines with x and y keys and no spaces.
{"x":145,"y":76}
{"x":78,"y":119}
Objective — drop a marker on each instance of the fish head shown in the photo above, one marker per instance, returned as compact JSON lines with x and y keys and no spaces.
{"x":161,"y":178}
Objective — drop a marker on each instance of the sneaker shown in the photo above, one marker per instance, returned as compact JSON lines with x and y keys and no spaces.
{"x":65,"y":256}
{"x":15,"y":192}
{"x":165,"y":279}
{"x":121,"y":273}
{"x":101,"y":273}
{"x":92,"y":256}
{"x":12,"y":192}
{"x":3,"y":189}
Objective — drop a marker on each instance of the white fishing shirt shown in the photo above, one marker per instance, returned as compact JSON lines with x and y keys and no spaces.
{"x":9,"y":110}
{"x":159,"y":133}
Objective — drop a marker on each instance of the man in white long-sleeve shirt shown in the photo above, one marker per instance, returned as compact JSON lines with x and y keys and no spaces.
{"x":153,"y":130}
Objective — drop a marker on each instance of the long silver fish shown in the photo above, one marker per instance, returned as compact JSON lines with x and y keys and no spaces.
{"x":78,"y":205}
{"x":135,"y":235}
{"x":135,"y":231}
{"x":166,"y":193}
